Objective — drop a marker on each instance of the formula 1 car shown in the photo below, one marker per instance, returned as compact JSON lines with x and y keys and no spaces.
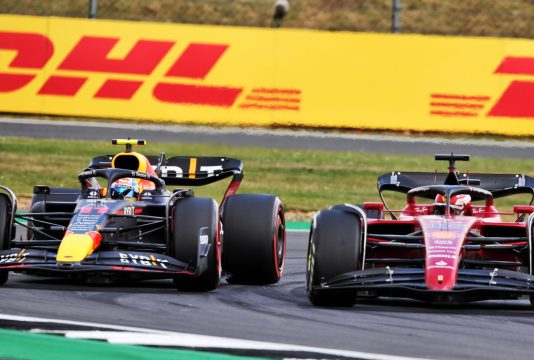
{"x":124,"y":221}
{"x":439,"y":248}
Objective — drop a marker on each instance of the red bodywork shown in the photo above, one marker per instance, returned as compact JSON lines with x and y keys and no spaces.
{"x":444,"y":237}
{"x":434,"y":250}
{"x":444,"y":240}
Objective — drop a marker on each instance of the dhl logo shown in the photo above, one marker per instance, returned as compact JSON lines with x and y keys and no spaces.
{"x":91,"y":55}
{"x":515,"y":102}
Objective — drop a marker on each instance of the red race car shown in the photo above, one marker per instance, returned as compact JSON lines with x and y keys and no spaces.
{"x":449,"y":244}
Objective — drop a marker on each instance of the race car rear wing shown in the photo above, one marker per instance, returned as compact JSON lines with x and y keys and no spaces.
{"x":499,"y":185}
{"x":185,"y":170}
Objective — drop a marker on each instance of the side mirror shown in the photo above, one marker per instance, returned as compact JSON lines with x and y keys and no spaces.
{"x":373,"y":210}
{"x":523,"y":209}
{"x":373,"y":206}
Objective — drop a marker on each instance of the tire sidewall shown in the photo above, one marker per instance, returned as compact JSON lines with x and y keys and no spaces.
{"x":254,"y":242}
{"x":334,"y":248}
{"x":188,"y":216}
{"x":5,"y":225}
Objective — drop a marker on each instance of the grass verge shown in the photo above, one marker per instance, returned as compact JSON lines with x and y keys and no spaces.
{"x":467,"y":17}
{"x":306,"y":180}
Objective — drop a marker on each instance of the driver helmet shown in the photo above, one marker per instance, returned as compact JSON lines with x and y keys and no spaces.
{"x":459,"y":203}
{"x":125,"y":188}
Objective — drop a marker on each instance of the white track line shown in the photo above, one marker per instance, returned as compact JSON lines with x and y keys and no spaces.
{"x":275,"y":132}
{"x":142,"y":336}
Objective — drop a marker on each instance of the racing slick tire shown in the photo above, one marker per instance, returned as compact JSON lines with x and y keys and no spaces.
{"x":189,"y":215}
{"x":5,"y":215}
{"x":254,"y":242}
{"x":334,"y":248}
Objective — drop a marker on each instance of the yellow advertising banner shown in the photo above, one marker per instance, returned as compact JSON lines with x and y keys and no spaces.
{"x":247,"y":76}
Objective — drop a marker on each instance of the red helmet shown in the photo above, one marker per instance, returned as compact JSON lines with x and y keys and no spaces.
{"x":458,"y":203}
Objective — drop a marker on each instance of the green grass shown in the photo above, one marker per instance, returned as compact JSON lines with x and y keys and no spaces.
{"x":28,"y":346}
{"x":510,"y":18}
{"x":306,"y":180}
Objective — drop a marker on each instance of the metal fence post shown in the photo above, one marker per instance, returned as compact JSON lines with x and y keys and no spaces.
{"x":395,"y":18}
{"x":92,"y":9}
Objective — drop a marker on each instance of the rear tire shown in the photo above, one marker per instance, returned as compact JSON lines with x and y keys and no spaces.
{"x":254,"y":241}
{"x":334,"y":248}
{"x":189,"y":216}
{"x":5,"y":227}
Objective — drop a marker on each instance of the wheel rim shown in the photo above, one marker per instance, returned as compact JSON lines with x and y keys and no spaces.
{"x":310,"y":264}
{"x":279,"y":243}
{"x":309,"y":272}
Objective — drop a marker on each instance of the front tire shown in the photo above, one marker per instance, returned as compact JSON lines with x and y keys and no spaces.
{"x":334,"y":248}
{"x":254,"y":238}
{"x":189,"y":215}
{"x":5,"y":227}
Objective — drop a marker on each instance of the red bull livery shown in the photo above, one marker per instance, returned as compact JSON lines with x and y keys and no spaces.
{"x":123,"y":221}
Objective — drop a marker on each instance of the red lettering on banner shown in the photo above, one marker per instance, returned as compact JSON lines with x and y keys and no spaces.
{"x":91,"y":54}
{"x":62,"y":85}
{"x":196,"y":95}
{"x":12,"y":82}
{"x":118,"y":89}
{"x":197,"y":60}
{"x":517,"y":101}
{"x":33,"y":52}
{"x":516,"y":66}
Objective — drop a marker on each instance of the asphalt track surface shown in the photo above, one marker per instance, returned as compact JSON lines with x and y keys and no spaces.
{"x":281,"y":313}
{"x":285,"y":139}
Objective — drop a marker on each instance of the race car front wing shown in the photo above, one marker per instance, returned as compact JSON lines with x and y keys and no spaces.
{"x":43,"y":261}
{"x":471,"y":285}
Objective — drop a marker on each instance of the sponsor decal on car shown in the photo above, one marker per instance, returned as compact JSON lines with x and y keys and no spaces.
{"x":130,"y":258}
{"x":443,"y":235}
{"x":129,"y":210}
{"x":14,"y":257}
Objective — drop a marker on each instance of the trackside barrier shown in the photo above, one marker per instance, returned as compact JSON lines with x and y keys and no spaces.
{"x":247,"y":76}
